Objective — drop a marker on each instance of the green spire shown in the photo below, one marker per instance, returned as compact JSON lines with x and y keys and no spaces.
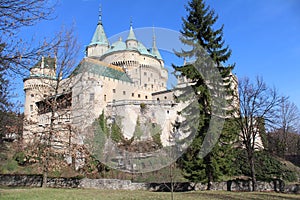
{"x":154,"y":50}
{"x":99,"y":35}
{"x":131,"y":35}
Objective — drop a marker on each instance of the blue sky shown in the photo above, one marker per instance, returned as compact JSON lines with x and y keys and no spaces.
{"x":264,"y":35}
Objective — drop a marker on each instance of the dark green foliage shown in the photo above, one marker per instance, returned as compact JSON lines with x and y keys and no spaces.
{"x":99,"y":135}
{"x":20,"y":157}
{"x":266,"y":167}
{"x":157,"y":140}
{"x":198,"y":30}
{"x":116,"y":132}
{"x":198,"y":27}
{"x":112,"y":130}
{"x":94,"y":165}
{"x":103,"y":123}
{"x":10,"y":166}
{"x":276,"y":146}
{"x":219,"y":160}
{"x":143,"y":107}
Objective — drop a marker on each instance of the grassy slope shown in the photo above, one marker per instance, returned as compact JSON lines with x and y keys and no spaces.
{"x":61,"y":194}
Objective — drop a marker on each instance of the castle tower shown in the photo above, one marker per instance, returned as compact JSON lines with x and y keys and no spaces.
{"x":131,"y":41}
{"x":36,"y":87}
{"x":37,"y":84}
{"x":99,"y":44}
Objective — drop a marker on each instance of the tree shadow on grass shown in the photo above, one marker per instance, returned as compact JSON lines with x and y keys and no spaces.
{"x":238,"y":196}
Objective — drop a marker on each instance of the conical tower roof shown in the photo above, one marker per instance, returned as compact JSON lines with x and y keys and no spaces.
{"x":131,"y":35}
{"x":99,"y":36}
{"x":154,"y":50}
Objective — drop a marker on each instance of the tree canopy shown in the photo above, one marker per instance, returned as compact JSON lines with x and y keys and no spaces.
{"x":208,"y":49}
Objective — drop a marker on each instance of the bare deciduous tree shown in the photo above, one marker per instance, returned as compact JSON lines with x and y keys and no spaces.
{"x":51,"y":127}
{"x":65,"y":54}
{"x":16,"y":55}
{"x":15,"y":14}
{"x":258,"y":105}
{"x":288,"y":120}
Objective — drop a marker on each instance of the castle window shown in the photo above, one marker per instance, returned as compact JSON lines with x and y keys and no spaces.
{"x":92,"y":97}
{"x":145,"y":73}
{"x":165,"y":97}
{"x":132,"y":94}
{"x":105,"y":97}
{"x":114,"y":90}
{"x":139,"y":96}
{"x":146,"y":97}
{"x":124,"y":92}
{"x":32,"y":95}
{"x":152,"y":86}
{"x":31,"y":108}
{"x":145,"y":85}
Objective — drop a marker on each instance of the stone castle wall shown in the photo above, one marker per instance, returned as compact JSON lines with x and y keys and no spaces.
{"x":275,"y":185}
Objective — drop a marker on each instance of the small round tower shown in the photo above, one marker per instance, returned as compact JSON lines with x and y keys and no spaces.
{"x":38,"y":85}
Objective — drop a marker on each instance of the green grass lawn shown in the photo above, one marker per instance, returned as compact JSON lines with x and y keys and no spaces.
{"x":50,"y":193}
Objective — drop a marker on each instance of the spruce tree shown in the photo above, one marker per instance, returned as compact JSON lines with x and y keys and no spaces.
{"x":198,"y":30}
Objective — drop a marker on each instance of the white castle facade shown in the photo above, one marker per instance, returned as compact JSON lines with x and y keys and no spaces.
{"x":112,"y":78}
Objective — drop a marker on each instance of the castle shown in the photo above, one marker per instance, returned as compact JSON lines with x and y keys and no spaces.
{"x":119,"y":79}
{"x":124,"y":81}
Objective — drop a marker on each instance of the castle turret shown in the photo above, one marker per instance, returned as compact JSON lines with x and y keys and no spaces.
{"x":131,"y":41}
{"x":154,"y":50}
{"x":37,"y":85}
{"x":99,"y":44}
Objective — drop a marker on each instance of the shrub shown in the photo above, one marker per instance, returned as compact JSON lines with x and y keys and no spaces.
{"x":20,"y":158}
{"x":143,"y":107}
{"x":266,"y":166}
{"x":9,"y":166}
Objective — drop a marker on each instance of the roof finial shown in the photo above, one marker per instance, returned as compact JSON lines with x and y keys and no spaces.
{"x":100,"y":14}
{"x":154,"y":37}
{"x":130,"y":21}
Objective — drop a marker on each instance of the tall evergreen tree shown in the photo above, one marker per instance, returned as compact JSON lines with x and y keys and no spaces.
{"x":198,"y":31}
{"x":198,"y":27}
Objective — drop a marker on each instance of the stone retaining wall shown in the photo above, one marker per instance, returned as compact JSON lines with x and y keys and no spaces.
{"x":115,"y":184}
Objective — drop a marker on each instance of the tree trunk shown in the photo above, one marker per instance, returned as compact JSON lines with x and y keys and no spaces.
{"x":172,"y":181}
{"x":209,"y":170}
{"x":252,"y":168}
{"x":45,"y":170}
{"x":47,"y":151}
